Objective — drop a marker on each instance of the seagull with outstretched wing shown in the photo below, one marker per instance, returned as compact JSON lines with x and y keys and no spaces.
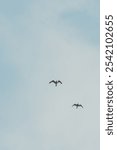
{"x":55,"y":82}
{"x":77,"y":105}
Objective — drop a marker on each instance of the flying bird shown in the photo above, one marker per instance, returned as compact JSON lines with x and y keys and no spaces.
{"x":55,"y":82}
{"x":77,"y":105}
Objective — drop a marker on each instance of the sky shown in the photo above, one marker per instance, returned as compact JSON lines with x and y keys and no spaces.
{"x":41,"y":41}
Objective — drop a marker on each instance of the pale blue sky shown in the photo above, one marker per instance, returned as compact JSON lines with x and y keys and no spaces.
{"x":40,"y":41}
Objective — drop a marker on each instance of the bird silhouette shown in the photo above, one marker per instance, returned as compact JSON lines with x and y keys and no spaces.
{"x":77,"y":105}
{"x":55,"y":82}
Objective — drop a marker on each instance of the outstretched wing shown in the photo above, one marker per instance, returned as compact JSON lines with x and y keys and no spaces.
{"x":81,"y":106}
{"x":59,"y":81}
{"x":74,"y":105}
{"x":52,"y":81}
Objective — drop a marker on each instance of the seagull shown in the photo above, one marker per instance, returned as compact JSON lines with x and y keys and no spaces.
{"x":55,"y":82}
{"x":77,"y":105}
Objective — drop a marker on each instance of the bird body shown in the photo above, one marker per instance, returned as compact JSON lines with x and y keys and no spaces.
{"x":77,"y":105}
{"x":55,"y":82}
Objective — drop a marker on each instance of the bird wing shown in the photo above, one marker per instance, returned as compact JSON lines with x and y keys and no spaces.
{"x":81,"y":106}
{"x":59,"y":81}
{"x":52,"y":81}
{"x":73,"y":105}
